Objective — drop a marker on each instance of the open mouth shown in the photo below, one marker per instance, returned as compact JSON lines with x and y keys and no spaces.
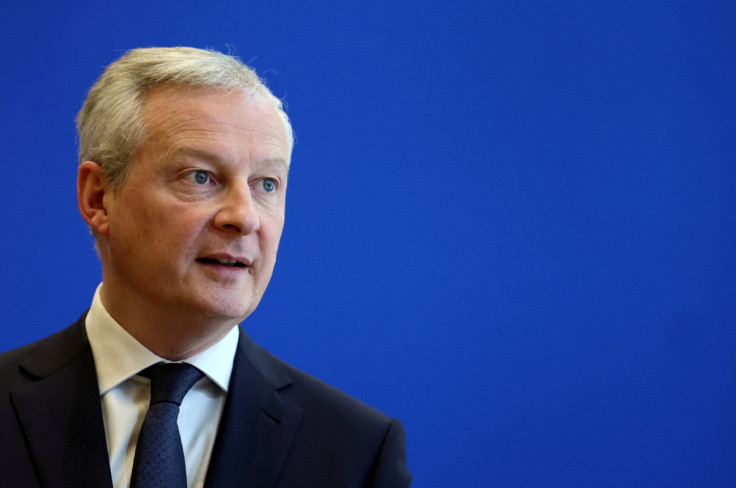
{"x":223,"y":262}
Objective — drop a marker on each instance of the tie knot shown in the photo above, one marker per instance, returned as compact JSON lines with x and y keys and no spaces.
{"x":171,"y":381}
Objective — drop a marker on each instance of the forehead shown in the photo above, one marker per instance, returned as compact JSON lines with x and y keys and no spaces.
{"x":175,"y":115}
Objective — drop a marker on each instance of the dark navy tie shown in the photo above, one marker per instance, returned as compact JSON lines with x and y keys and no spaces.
{"x":159,"y":456}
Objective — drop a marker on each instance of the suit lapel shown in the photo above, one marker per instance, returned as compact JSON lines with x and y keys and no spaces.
{"x":258,"y":423}
{"x":60,"y":413}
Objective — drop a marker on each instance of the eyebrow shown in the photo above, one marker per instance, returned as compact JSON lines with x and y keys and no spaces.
{"x":215,"y":158}
{"x":275,"y":162}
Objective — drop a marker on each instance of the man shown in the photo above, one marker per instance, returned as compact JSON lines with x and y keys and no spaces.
{"x":184,"y":158}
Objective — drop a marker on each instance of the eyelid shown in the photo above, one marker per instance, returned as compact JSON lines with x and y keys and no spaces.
{"x":276,"y":181}
{"x":189,"y":175}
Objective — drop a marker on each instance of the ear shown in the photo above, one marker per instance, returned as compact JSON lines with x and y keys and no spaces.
{"x":91,"y":189}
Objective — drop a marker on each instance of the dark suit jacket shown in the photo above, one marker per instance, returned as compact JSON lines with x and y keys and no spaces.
{"x":280,"y":427}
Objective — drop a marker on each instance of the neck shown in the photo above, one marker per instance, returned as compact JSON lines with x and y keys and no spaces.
{"x":172,"y":334}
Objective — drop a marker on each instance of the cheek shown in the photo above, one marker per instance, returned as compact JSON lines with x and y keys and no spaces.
{"x":161,"y":233}
{"x":175,"y":222}
{"x":270,"y":237}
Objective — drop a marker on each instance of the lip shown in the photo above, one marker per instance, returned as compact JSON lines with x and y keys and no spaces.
{"x":225,"y":260}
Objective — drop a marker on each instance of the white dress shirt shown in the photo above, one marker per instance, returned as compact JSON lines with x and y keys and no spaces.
{"x":125,"y":396}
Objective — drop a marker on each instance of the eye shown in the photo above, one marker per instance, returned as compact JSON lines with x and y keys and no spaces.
{"x":269,"y":184}
{"x":201,"y":177}
{"x":198,"y":177}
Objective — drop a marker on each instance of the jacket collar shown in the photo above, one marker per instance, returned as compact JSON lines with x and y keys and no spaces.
{"x":59,"y":412}
{"x":258,"y":424}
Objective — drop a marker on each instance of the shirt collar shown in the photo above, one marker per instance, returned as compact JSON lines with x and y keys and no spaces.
{"x":119,"y":356}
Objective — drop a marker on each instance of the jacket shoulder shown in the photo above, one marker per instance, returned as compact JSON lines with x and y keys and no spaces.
{"x":42,"y":357}
{"x":309,"y":392}
{"x":338,"y":432}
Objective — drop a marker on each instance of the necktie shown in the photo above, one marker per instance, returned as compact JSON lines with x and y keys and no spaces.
{"x":159,"y":457}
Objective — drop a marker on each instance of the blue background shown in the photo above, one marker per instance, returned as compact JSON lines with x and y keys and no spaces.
{"x":510,"y":224}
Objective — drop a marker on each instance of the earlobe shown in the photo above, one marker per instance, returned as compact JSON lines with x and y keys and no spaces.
{"x":91,"y":189}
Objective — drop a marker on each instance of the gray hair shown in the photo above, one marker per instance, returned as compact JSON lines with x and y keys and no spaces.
{"x":110,"y":123}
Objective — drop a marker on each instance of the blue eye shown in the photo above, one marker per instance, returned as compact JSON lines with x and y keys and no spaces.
{"x":201,"y":177}
{"x":269,"y":185}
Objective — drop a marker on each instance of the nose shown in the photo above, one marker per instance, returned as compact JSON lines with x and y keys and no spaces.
{"x":238,"y":212}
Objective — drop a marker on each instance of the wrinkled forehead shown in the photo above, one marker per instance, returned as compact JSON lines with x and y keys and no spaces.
{"x":213,"y":125}
{"x":178,"y":96}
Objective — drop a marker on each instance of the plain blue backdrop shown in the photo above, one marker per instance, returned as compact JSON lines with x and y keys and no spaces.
{"x":510,"y":224}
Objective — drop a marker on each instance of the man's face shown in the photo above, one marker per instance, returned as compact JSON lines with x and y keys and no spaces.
{"x":195,"y":226}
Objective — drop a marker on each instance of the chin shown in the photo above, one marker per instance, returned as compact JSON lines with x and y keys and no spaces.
{"x":221,"y":311}
{"x":228,"y":303}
